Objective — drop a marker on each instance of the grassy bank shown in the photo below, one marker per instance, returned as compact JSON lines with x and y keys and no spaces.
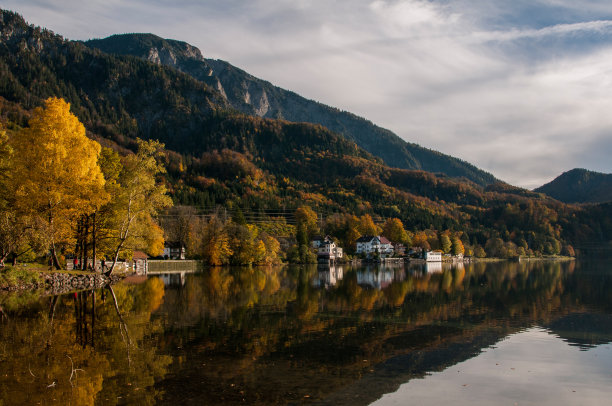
{"x":21,"y":275}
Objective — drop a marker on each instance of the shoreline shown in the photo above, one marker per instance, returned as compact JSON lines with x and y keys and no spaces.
{"x":57,"y":282}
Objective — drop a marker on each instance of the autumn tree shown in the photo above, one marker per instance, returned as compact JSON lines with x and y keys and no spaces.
{"x":394,"y":230}
{"x":420,"y":240}
{"x":479,"y":252}
{"x":367,"y":227}
{"x":213,"y":241}
{"x":177,"y":224}
{"x":14,"y":227}
{"x":445,"y":242}
{"x":457,"y":247}
{"x":306,"y":228}
{"x":6,"y":154}
{"x":59,"y":177}
{"x":137,"y":200}
{"x":307,"y":218}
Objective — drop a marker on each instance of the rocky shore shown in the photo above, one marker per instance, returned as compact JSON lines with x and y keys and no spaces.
{"x":57,"y":283}
{"x":61,"y":282}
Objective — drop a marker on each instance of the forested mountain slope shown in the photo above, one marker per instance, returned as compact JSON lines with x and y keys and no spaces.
{"x":580,"y":186}
{"x":254,"y":96}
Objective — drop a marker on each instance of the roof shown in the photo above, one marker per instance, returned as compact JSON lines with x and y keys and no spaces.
{"x":383,"y":240}
{"x":139,"y":255}
{"x":173,"y":244}
{"x":365,"y":238}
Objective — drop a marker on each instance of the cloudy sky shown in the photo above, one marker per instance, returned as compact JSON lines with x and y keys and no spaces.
{"x":522,"y":88}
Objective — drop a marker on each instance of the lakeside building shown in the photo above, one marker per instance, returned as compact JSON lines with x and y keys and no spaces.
{"x":433,"y":256}
{"x":369,"y":245}
{"x":174,"y":250}
{"x":329,"y":251}
{"x":140,"y":263}
{"x":318,"y":240}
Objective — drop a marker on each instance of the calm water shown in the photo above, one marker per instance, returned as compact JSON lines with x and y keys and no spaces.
{"x":506,"y":333}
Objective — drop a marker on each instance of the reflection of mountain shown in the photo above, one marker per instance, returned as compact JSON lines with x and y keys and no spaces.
{"x":388,"y":376}
{"x":584,"y":330}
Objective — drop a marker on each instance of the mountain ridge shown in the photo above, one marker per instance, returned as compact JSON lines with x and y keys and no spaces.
{"x":579,"y":185}
{"x":254,"y":96}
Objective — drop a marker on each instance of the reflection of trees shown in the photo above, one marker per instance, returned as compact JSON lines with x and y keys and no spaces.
{"x":270,"y":333}
{"x":324,"y":338}
{"x":69,"y":349}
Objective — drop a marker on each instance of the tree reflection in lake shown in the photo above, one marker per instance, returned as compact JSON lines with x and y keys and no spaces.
{"x":285,"y":335}
{"x":72,"y":349}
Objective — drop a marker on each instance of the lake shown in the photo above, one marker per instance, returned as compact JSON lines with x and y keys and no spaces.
{"x":528,"y":333}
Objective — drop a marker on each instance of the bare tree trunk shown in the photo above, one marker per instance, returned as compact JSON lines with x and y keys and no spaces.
{"x":93,"y":243}
{"x":85,"y":238}
{"x":54,"y":256}
{"x":122,"y":327}
{"x":115,"y":258}
{"x":52,"y":308}
{"x":78,"y":250}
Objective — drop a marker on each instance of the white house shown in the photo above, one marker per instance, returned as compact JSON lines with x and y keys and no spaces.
{"x":329,"y":250}
{"x":368,"y":245}
{"x":174,"y":251}
{"x":318,"y":240}
{"x":433,"y":256}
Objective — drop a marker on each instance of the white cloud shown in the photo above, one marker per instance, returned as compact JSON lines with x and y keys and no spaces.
{"x":521,"y":89}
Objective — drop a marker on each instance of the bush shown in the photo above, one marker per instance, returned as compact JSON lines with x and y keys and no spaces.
{"x":17,"y":276}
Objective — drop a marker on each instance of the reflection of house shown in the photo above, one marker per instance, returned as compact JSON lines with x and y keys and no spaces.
{"x":140,"y":263}
{"x":173,"y":279}
{"x":377,"y":279}
{"x":328,"y":277}
{"x":318,"y":240}
{"x":174,"y":250}
{"x":368,"y":245}
{"x":433,"y":267}
{"x":329,"y":251}
{"x":433,"y":256}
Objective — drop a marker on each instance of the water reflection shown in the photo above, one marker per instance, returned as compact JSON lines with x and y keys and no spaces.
{"x":78,"y":348}
{"x":286,"y":335}
{"x":328,"y":276}
{"x":531,"y":367}
{"x":174,"y":278}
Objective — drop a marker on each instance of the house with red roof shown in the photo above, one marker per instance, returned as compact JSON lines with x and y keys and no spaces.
{"x":369,"y":245}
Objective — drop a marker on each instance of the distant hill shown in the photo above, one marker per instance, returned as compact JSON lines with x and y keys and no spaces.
{"x":254,"y":96}
{"x":580,"y":186}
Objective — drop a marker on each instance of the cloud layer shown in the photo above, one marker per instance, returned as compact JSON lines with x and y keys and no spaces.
{"x":522,"y":89}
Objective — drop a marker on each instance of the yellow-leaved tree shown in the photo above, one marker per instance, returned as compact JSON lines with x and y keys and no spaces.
{"x":394,"y":230}
{"x":136,"y":200}
{"x":59,"y":177}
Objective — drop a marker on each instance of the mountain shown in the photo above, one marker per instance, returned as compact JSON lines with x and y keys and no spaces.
{"x":217,"y":155}
{"x":254,"y":96}
{"x":580,"y":186}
